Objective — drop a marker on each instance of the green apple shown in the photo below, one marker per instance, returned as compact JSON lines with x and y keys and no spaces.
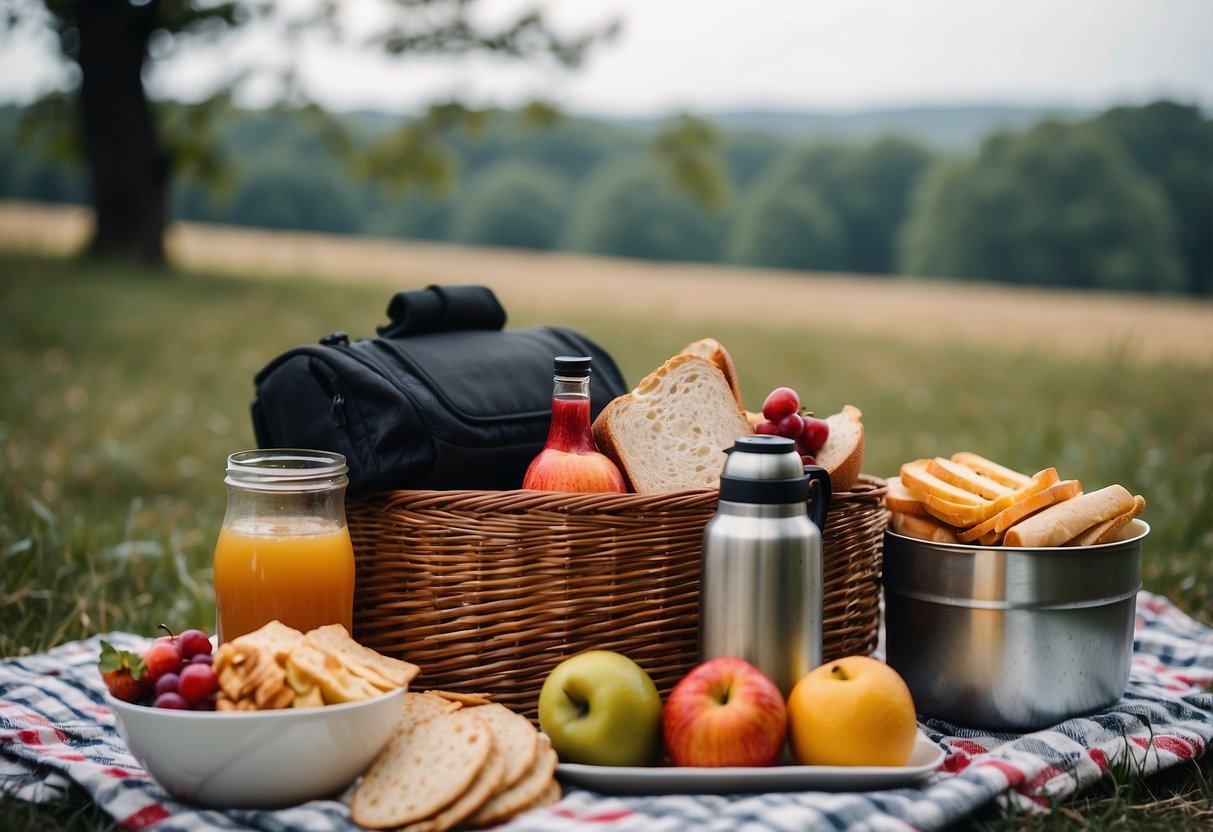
{"x":600,"y":708}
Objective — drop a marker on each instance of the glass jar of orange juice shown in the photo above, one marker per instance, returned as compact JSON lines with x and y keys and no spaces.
{"x":284,"y":550}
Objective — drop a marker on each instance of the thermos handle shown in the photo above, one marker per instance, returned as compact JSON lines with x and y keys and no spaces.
{"x":819,"y":502}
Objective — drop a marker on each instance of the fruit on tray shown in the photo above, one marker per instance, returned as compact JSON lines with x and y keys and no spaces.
{"x":856,"y":711}
{"x":725,"y":712}
{"x":601,"y":708}
{"x":970,"y":499}
{"x":456,"y":760}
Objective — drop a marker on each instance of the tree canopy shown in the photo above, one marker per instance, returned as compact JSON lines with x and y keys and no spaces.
{"x":1114,"y":201}
{"x":516,"y":204}
{"x":1173,"y":144}
{"x":631,"y":208}
{"x":1057,"y":205}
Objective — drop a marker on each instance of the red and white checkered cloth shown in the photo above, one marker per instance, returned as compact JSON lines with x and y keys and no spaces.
{"x":55,"y":730}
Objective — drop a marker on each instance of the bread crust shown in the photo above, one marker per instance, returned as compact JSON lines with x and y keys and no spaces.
{"x":842,"y":454}
{"x":714,"y":351}
{"x":922,"y":527}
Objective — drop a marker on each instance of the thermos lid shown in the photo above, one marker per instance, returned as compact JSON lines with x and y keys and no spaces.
{"x":775,"y":491}
{"x":763,"y":444}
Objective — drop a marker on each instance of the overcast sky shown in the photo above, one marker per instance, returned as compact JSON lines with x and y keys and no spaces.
{"x":710,"y":55}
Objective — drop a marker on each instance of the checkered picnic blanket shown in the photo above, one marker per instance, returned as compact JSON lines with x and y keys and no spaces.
{"x":55,"y":731}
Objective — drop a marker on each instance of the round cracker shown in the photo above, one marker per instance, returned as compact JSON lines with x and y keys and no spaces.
{"x":418,"y":707}
{"x":422,"y":771}
{"x":482,"y":788}
{"x":516,"y":738}
{"x":521,"y":794}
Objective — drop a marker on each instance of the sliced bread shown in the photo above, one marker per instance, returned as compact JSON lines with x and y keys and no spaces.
{"x":672,"y":431}
{"x":842,"y":454}
{"x":714,"y":351}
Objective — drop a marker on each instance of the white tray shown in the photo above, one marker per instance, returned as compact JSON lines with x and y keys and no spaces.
{"x":924,"y":759}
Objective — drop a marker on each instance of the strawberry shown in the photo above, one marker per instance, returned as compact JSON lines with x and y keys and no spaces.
{"x":124,"y":674}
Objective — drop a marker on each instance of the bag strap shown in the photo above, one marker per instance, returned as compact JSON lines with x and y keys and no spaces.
{"x":442,"y":309}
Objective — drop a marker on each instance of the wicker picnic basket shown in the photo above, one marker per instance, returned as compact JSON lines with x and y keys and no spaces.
{"x":489,"y":590}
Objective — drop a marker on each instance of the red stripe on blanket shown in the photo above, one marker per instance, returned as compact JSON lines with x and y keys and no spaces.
{"x":606,"y":816}
{"x":1180,"y":748}
{"x":968,"y":747}
{"x":956,"y":762}
{"x":1015,"y":777}
{"x":145,"y":817}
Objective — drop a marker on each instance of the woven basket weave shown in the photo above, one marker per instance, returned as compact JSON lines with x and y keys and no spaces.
{"x":489,"y":590}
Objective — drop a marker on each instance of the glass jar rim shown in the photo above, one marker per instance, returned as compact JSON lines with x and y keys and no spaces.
{"x":291,"y":469}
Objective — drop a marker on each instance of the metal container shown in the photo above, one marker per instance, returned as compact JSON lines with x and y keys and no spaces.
{"x":1011,"y":638}
{"x":761,"y":577}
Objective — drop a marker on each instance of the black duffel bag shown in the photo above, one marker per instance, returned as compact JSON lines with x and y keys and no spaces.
{"x":444,"y":398}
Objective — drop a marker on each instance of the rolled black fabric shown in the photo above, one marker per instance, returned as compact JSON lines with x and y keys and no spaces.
{"x":442,"y":309}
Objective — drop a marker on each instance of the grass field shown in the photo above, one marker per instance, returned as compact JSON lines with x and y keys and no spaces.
{"x":124,"y":390}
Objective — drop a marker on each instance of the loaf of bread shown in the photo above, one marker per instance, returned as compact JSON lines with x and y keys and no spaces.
{"x":672,"y":431}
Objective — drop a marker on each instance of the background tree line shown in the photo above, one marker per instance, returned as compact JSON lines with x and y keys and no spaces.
{"x":1122,"y":200}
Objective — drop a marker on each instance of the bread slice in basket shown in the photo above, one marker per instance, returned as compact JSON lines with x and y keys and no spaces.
{"x":672,"y":431}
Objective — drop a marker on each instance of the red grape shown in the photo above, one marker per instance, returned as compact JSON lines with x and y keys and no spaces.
{"x":162,"y":657}
{"x":193,"y":642}
{"x":197,"y":682}
{"x":808,"y":459}
{"x":791,"y":426}
{"x":766,"y":428}
{"x":167,"y":683}
{"x":207,"y":704}
{"x":201,"y":658}
{"x":816,"y":432}
{"x":781,"y":402}
{"x":174,"y":701}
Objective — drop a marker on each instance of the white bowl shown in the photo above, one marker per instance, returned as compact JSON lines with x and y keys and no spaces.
{"x":258,"y":759}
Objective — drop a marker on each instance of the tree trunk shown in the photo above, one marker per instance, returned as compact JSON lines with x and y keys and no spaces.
{"x":128,"y":171}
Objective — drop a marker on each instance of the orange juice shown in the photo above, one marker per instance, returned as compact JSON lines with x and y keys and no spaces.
{"x":299,"y":570}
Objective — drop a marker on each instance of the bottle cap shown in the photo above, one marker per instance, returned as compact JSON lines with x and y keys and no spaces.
{"x":572,"y":365}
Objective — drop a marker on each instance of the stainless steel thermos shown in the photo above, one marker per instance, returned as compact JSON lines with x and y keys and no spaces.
{"x":761,"y":579}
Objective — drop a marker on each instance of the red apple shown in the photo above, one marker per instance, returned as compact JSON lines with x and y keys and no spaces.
{"x":725,"y":712}
{"x":557,"y":470}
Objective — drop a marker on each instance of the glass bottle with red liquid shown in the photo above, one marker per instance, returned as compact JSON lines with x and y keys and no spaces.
{"x":570,"y":461}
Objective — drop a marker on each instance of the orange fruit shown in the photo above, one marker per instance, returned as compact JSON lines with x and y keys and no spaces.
{"x":855,"y":711}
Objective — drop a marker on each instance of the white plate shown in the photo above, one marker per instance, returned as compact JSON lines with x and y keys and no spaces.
{"x":924,"y":759}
